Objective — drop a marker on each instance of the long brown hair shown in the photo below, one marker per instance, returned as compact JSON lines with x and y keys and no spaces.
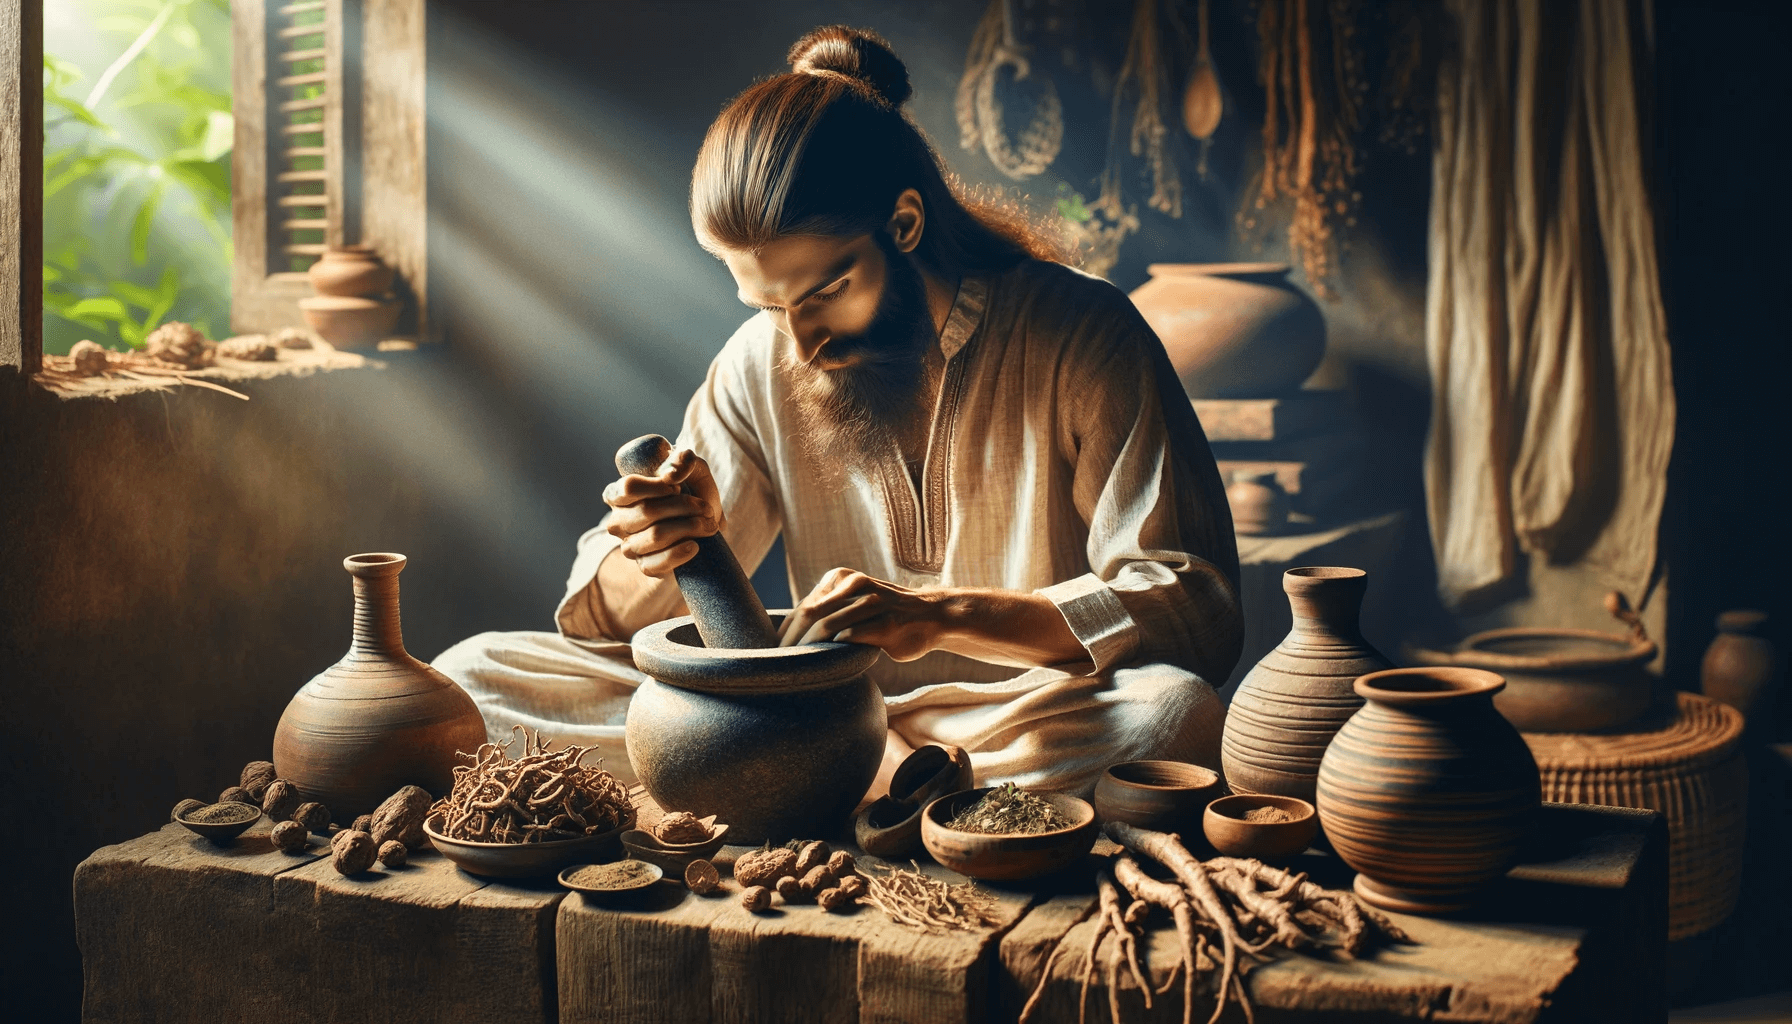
{"x":826,"y":149}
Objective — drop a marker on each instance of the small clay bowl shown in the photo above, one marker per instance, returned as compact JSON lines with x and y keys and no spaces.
{"x":223,"y":831}
{"x":1233,"y":836}
{"x":1163,"y":796}
{"x":525,"y":860}
{"x":1002,"y":857}
{"x":672,"y":857}
{"x":611,"y":894}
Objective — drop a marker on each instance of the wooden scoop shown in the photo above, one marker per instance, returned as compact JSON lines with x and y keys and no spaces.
{"x":1201,"y":103}
{"x":726,"y":610}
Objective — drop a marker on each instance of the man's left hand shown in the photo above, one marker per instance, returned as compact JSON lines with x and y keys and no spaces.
{"x":851,"y":607}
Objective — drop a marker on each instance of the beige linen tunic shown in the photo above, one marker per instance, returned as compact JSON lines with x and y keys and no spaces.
{"x":1063,"y":458}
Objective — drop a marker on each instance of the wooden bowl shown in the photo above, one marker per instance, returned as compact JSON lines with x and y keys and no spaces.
{"x":346,"y":321}
{"x":1164,"y":796}
{"x":222,"y":831}
{"x":672,"y":857}
{"x":1001,"y":857}
{"x":613,"y":894}
{"x":889,"y":829}
{"x":526,"y":860}
{"x":1233,"y":836}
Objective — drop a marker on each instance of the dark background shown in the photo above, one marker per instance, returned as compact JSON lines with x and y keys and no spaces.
{"x":170,"y":564}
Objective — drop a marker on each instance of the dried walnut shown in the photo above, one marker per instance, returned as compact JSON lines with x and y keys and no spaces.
{"x":756,"y":898}
{"x":281,"y":799}
{"x":681,"y":827}
{"x":237,"y":795}
{"x":257,"y":777}
{"x":353,"y":852}
{"x":393,"y":853}
{"x":290,"y":836}
{"x":363,"y":824}
{"x":313,"y":815}
{"x":764,"y":867}
{"x":791,"y":889}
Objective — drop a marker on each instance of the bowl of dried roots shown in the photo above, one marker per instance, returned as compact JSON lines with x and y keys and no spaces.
{"x":1005,"y":832}
{"x":531,"y":815}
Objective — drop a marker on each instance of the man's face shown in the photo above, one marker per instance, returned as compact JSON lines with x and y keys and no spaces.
{"x":855,"y":310}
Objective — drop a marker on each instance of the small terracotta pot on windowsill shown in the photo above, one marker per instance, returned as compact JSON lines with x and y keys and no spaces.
{"x":349,"y":321}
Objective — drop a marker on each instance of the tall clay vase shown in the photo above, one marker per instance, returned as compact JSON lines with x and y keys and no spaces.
{"x":378,"y":719}
{"x":1741,"y":666}
{"x":1291,"y":704}
{"x":779,"y":742}
{"x":1428,"y":791}
{"x":1233,"y":330}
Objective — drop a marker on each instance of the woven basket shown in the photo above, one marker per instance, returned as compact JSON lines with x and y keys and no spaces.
{"x":1691,"y":770}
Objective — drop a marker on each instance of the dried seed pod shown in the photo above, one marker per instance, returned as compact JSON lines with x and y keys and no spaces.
{"x":363,"y":824}
{"x":281,"y":799}
{"x":257,"y":776}
{"x":681,"y":827}
{"x":290,"y":836}
{"x":764,"y":867}
{"x":816,"y":880}
{"x":811,"y":856}
{"x":854,"y":886}
{"x":393,"y":853}
{"x":835,"y":900}
{"x":701,"y":877}
{"x":401,"y":816}
{"x":313,"y":815}
{"x":237,"y":795}
{"x":185,"y":807}
{"x":791,"y":889}
{"x":353,"y":852}
{"x":756,"y":898}
{"x":842,"y":864}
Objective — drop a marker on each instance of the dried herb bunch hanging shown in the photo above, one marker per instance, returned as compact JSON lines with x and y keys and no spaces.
{"x":541,"y":796}
{"x":994,"y":46}
{"x":1311,"y":68}
{"x":1144,"y":79}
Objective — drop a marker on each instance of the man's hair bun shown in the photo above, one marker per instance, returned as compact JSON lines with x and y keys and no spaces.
{"x":857,"y":53}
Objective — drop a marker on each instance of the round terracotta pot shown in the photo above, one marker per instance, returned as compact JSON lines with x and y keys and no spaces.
{"x":348,"y":322}
{"x":779,"y":742}
{"x":350,"y":270}
{"x":1288,"y":707}
{"x":1258,"y":503}
{"x":1560,"y":680}
{"x":1427,"y":791}
{"x":1233,"y":330}
{"x":1740,"y":667}
{"x":378,"y":719}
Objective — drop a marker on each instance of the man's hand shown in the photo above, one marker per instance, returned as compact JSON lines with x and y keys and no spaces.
{"x":851,"y":607}
{"x":656,"y":521}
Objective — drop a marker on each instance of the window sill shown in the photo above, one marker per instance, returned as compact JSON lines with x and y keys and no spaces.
{"x":129,"y":373}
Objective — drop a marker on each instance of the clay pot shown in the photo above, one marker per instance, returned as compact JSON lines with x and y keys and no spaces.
{"x":350,"y":270}
{"x":348,"y":322}
{"x":1740,"y":665}
{"x":1010,"y":856}
{"x":1289,"y":706}
{"x":781,"y":742}
{"x":1427,"y":791}
{"x":1225,"y":826}
{"x":1560,"y":680}
{"x":1258,"y":503}
{"x":1163,"y":796}
{"x":1233,"y":330}
{"x":378,"y":719}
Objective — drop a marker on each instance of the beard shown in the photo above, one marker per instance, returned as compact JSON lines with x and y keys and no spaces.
{"x":853,"y":416}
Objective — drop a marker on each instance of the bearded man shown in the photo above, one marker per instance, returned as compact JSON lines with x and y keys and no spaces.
{"x":981,"y":462}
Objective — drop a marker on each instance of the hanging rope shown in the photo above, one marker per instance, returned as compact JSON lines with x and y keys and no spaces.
{"x":980,"y":121}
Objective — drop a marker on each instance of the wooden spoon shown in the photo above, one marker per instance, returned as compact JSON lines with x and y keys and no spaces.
{"x":1201,"y":103}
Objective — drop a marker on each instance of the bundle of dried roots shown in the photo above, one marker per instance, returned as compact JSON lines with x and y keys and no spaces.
{"x":543,"y":795}
{"x":921,"y":901}
{"x":1230,"y":914}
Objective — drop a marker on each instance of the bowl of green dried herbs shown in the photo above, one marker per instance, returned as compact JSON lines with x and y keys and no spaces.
{"x":1005,"y":832}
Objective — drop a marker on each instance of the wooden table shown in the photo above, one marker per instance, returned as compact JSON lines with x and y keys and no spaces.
{"x":175,"y":929}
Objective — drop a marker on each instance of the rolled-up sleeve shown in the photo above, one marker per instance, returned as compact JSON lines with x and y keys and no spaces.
{"x":1163,"y":580}
{"x":720,"y":425}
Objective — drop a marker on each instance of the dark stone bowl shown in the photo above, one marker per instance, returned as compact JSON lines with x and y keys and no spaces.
{"x":527,"y":860}
{"x":779,"y":742}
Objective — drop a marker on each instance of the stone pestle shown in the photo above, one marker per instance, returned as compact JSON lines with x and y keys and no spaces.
{"x":727,"y":612}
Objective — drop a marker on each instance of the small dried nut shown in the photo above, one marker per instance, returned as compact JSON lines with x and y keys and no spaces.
{"x":393,"y":853}
{"x":89,"y":358}
{"x":834,"y":900}
{"x":363,"y":824}
{"x":281,"y":799}
{"x":811,"y":856}
{"x":401,"y":816}
{"x":854,"y":886}
{"x":791,"y":889}
{"x":313,"y":815}
{"x":185,"y":807}
{"x":237,"y":794}
{"x":353,"y":852}
{"x":681,"y":827}
{"x":816,"y":880}
{"x":253,"y":347}
{"x":764,"y":867}
{"x":180,"y":343}
{"x":293,"y":337}
{"x":841,"y":864}
{"x":290,"y":836}
{"x":701,"y":877}
{"x":257,"y":776}
{"x":756,"y":898}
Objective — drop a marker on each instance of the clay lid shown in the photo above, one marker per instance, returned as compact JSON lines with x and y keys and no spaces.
{"x":1747,"y":621}
{"x":1215,"y":269}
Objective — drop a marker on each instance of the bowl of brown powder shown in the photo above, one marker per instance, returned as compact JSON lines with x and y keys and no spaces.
{"x":221,"y":822}
{"x":613,"y":882}
{"x":1005,"y":832}
{"x":1260,"y":825}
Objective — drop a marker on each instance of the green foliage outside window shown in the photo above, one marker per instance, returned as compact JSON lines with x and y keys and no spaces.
{"x":137,"y":140}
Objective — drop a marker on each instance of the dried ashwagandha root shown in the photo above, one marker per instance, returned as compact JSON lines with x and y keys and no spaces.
{"x":393,"y":853}
{"x":290,"y":836}
{"x":701,"y":877}
{"x":353,"y":852}
{"x":756,"y":898}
